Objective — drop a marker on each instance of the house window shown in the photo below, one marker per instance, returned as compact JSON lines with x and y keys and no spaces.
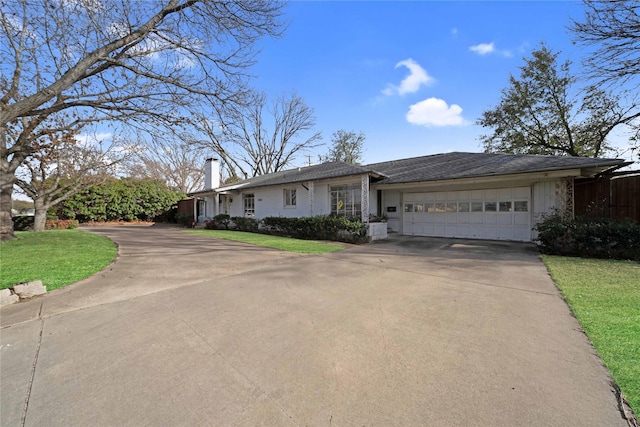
{"x":504,"y":207}
{"x":521,"y":206}
{"x":289,"y":198}
{"x":249,"y":205}
{"x":490,"y":206}
{"x":346,"y":200}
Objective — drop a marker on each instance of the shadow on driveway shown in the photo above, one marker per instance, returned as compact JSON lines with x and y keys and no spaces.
{"x":185,"y":330}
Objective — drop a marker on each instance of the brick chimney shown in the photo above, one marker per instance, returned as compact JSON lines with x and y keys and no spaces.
{"x":211,"y":174}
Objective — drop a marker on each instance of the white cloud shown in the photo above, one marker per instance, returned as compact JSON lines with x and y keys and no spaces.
{"x":435,"y":112}
{"x":86,"y":140}
{"x":487,"y":48}
{"x":483,"y":48}
{"x":416,"y":78}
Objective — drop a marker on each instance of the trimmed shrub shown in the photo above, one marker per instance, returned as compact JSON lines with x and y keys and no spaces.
{"x":589,"y":237}
{"x":184,"y":219}
{"x":245,"y":224}
{"x":61,"y":224}
{"x":219,"y":221}
{"x":318,"y":228}
{"x":23,"y":222}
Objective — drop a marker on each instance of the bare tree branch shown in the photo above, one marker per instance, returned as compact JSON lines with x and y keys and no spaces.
{"x":142,"y":64}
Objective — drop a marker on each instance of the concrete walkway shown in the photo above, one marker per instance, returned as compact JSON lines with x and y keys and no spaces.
{"x":183,"y":330}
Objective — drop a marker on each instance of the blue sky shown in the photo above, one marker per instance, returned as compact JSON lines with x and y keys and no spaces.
{"x":414,"y":76}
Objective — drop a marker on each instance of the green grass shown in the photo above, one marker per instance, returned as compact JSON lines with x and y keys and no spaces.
{"x":275,"y":242}
{"x":57,"y":257}
{"x":604,"y":295}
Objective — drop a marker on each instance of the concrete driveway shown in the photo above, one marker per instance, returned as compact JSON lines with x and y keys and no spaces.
{"x":183,"y":330}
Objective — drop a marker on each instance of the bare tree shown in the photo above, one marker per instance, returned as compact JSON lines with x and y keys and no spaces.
{"x":613,"y":28}
{"x":169,"y":159}
{"x":63,"y":167}
{"x":141,"y":64}
{"x":257,"y":140}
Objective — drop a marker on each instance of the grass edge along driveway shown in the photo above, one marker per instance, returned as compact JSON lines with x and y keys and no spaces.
{"x":274,"y":242}
{"x":57,"y":257}
{"x":604,"y":295}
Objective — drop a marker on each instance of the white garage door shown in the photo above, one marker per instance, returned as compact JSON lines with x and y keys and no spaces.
{"x":494,"y":214}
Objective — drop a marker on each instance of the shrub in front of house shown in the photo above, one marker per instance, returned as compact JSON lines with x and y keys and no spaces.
{"x":184,"y":219}
{"x":317,"y":228}
{"x":221,"y":221}
{"x":245,"y":224}
{"x":589,"y":237}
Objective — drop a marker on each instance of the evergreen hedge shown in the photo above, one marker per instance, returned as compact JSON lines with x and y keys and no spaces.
{"x":124,"y":199}
{"x":333,"y":228}
{"x":589,"y":237}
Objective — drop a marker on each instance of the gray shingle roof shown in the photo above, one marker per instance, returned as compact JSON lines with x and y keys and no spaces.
{"x":308,"y":173}
{"x":466,"y":165}
{"x":428,"y":168}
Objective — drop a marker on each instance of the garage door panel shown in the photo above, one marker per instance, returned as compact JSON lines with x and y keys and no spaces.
{"x":522,"y":234}
{"x":491,"y":194}
{"x":521,"y":218}
{"x":499,"y":213}
{"x":428,"y":230}
{"x":505,"y":233}
{"x":464,"y":231}
{"x":505,"y":219}
{"x":490,"y":218}
{"x":451,"y":230}
{"x":505,"y":193}
{"x":490,"y":233}
{"x":522,"y":193}
{"x":476,"y":218}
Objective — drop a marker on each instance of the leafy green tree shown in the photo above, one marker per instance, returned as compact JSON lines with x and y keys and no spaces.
{"x":543,"y":112}
{"x":346,"y":147}
{"x":125,"y":199}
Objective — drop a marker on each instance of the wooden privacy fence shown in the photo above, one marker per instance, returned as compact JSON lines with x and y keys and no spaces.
{"x":615,"y":195}
{"x":186,"y":206}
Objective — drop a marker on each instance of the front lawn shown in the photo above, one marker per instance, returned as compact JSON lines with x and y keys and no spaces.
{"x":275,"y":242}
{"x":57,"y":257}
{"x":604,"y":295}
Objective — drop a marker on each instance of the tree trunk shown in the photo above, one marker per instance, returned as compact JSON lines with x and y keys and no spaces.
{"x":41,"y":215}
{"x":6,"y":190}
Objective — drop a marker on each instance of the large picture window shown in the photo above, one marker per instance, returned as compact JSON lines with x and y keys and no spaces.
{"x":249,"y":205}
{"x":346,"y":200}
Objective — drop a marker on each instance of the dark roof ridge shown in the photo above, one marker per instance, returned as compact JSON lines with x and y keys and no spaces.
{"x":512,"y":155}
